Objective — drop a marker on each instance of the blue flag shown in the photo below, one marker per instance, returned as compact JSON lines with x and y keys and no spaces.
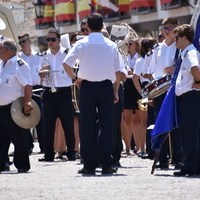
{"x":167,"y":118}
{"x":197,"y":34}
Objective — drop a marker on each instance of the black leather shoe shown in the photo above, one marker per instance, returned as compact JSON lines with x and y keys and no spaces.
{"x":147,"y":156}
{"x":71,"y":155}
{"x":163,"y":166}
{"x":22,"y":170}
{"x":178,"y":165}
{"x":43,"y":159}
{"x":109,"y":171}
{"x":181,"y":173}
{"x":86,"y":171}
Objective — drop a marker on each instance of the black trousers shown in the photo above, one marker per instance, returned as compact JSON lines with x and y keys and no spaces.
{"x":190,"y":112}
{"x":117,"y":139}
{"x":11,"y":132}
{"x":58,"y":104}
{"x":176,"y":138}
{"x":96,"y":97}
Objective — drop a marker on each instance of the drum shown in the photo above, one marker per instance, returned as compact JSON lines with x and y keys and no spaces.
{"x":158,"y":86}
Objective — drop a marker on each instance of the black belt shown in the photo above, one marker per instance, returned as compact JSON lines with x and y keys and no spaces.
{"x":6,"y":106}
{"x":57,"y":88}
{"x":37,"y":86}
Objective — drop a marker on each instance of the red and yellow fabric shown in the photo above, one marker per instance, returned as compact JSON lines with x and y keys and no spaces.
{"x":48,"y":12}
{"x":83,"y":8}
{"x":123,"y":5}
{"x":64,"y":10}
{"x":141,"y":3}
{"x":162,"y":2}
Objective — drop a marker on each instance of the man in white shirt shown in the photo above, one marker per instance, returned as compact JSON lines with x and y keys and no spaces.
{"x":57,"y":97}
{"x":188,"y":92}
{"x":164,"y":55}
{"x":33,"y":60}
{"x":15,"y":82}
{"x":99,"y":68}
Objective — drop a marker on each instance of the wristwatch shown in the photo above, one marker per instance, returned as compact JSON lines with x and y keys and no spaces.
{"x":197,"y":81}
{"x":28,"y":103}
{"x":73,"y":80}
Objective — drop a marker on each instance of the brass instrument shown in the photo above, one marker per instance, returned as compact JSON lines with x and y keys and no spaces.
{"x":130,"y":35}
{"x":143,"y":103}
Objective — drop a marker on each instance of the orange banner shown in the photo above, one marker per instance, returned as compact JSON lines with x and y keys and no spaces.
{"x":141,"y":3}
{"x":124,"y":5}
{"x":64,"y":10}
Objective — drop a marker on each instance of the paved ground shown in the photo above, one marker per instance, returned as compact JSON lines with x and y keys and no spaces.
{"x":60,"y":181}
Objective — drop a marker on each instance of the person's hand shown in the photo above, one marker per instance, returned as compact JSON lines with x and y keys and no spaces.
{"x":28,"y":109}
{"x":116,"y":98}
{"x":168,"y":70}
{"x":196,"y":85}
{"x":78,"y":82}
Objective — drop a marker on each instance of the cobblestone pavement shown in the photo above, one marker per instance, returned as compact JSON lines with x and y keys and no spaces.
{"x":59,"y":181}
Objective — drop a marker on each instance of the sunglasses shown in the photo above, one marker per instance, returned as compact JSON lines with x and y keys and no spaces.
{"x":170,"y":28}
{"x":22,"y":42}
{"x":51,"y":39}
{"x":84,"y":29}
{"x":129,"y":44}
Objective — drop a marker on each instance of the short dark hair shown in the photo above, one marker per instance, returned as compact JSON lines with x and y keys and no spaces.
{"x":53,"y":30}
{"x":25,"y":35}
{"x":95,"y":22}
{"x":74,"y":35}
{"x":185,"y":30}
{"x":170,"y":20}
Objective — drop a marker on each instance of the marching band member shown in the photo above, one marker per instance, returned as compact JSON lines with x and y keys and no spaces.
{"x":57,"y":97}
{"x":99,"y":66}
{"x":188,"y":92}
{"x":164,"y":55}
{"x":139,"y":82}
{"x":33,"y":60}
{"x":131,"y":95}
{"x":15,"y":82}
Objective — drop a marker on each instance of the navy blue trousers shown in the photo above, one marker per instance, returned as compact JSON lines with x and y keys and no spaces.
{"x":176,"y":138}
{"x":189,"y":105}
{"x":96,"y":97}
{"x":11,"y":132}
{"x":58,"y":105}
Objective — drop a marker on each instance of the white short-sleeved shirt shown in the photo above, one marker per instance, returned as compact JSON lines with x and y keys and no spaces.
{"x":98,"y":56}
{"x":147,"y":60}
{"x":60,"y":78}
{"x":14,"y":76}
{"x":190,"y":58}
{"x":132,"y":60}
{"x":163,"y":56}
{"x":138,"y":69}
{"x":34,"y":63}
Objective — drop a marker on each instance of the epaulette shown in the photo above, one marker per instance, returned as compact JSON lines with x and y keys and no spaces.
{"x":44,"y":53}
{"x":20,"y":62}
{"x":66,"y":50}
{"x":156,"y":45}
{"x":40,"y":54}
{"x":149,"y":53}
